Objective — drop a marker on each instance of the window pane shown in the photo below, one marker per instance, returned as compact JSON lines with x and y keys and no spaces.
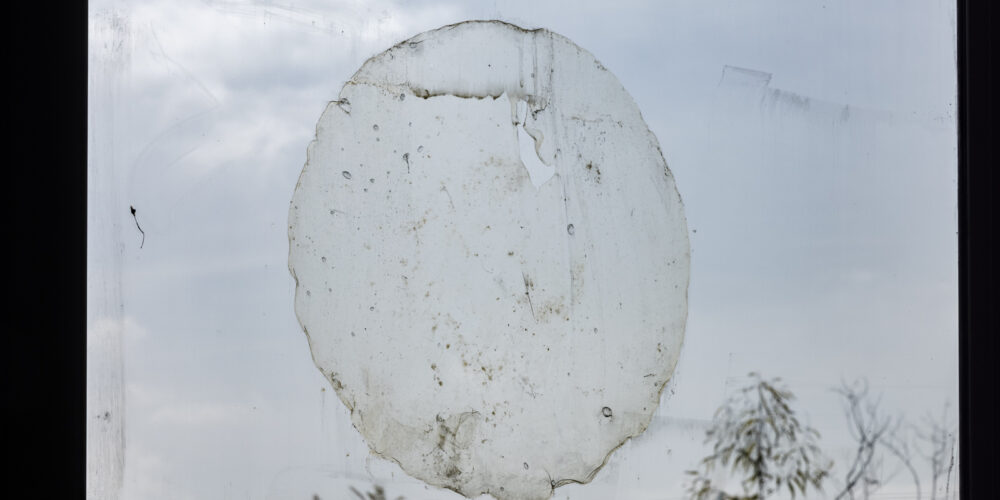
{"x":813,"y":148}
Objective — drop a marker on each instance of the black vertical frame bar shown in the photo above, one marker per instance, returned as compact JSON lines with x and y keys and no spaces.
{"x":978,"y":250}
{"x":44,"y":228}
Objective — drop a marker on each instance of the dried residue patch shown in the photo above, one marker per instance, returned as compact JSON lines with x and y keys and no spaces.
{"x":491,"y":259}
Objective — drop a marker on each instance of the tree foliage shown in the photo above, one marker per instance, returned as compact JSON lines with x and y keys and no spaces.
{"x":756,"y":435}
{"x":378,"y":494}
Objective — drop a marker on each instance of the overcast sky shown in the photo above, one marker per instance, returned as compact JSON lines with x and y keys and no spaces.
{"x":814,"y":146}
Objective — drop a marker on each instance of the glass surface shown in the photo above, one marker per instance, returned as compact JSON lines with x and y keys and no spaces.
{"x":813,"y":146}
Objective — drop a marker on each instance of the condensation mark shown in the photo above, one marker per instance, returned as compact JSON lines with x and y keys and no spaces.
{"x":541,"y":272}
{"x":755,"y":86}
{"x":746,"y":77}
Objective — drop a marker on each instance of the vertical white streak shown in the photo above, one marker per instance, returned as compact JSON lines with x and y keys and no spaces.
{"x":109,"y":56}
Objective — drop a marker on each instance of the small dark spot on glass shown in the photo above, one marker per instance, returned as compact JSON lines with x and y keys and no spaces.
{"x":346,"y":174}
{"x":606,"y":412}
{"x":571,"y":230}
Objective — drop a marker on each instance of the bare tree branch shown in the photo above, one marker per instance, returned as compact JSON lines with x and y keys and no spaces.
{"x":868,"y":428}
{"x":938,"y":439}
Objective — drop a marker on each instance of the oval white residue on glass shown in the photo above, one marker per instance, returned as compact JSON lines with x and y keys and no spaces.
{"x":491,"y":259}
